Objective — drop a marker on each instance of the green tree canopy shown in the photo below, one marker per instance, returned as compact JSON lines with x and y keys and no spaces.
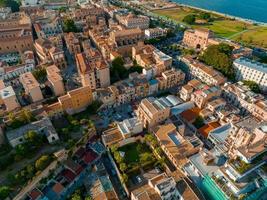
{"x":189,"y":19}
{"x":69,"y":26}
{"x":205,"y":16}
{"x":199,"y":122}
{"x":42,"y":162}
{"x":14,"y":5}
{"x":253,"y":86}
{"x":219,"y":57}
{"x":4,"y":192}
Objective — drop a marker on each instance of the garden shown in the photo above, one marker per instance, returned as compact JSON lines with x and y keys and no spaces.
{"x":132,"y":157}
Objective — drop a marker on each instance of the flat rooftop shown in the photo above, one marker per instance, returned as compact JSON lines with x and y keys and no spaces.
{"x":28,"y":81}
{"x":7,"y":92}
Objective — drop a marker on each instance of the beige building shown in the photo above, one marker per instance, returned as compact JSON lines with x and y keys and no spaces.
{"x":8,"y":99}
{"x":153,"y":61}
{"x":131,"y":21}
{"x":93,"y":69}
{"x":15,"y":33}
{"x":55,"y":80}
{"x":259,"y":110}
{"x":48,"y":53}
{"x":73,"y":102}
{"x":239,"y":95}
{"x":158,"y":187}
{"x":198,"y":38}
{"x":176,"y":147}
{"x":151,"y":112}
{"x":170,"y":78}
{"x":152,"y":33}
{"x":203,"y":72}
{"x":31,"y":86}
{"x":72,"y":43}
{"x":124,"y":40}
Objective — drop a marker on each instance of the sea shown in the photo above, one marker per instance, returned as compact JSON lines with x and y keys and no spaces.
{"x":254,"y":10}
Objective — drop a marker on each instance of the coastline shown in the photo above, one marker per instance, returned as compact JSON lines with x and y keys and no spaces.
{"x":220,"y":14}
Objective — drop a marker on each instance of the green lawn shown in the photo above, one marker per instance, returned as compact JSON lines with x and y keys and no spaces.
{"x":256,"y":36}
{"x":222,"y":27}
{"x":131,"y":153}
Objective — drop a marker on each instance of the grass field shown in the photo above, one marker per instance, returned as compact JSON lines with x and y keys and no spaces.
{"x":222,"y":27}
{"x":131,"y":153}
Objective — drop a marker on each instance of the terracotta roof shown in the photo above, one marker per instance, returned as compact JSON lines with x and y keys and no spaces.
{"x":58,"y":188}
{"x":89,"y":156}
{"x":191,"y":114}
{"x":205,"y":130}
{"x":35,"y":194}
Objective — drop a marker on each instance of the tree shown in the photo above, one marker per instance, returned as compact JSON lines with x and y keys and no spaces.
{"x":33,"y":138}
{"x":124,"y":178}
{"x":145,"y":157}
{"x":118,"y":157}
{"x":42,"y":162}
{"x":114,"y":148}
{"x":117,"y":70}
{"x":22,"y":149}
{"x":26,"y":115}
{"x":189,"y":19}
{"x":219,"y":57}
{"x":205,"y":16}
{"x":14,"y":5}
{"x":4,"y":192}
{"x":199,"y":122}
{"x":40,"y":74}
{"x":253,"y":86}
{"x":69,"y":26}
{"x":123,"y":167}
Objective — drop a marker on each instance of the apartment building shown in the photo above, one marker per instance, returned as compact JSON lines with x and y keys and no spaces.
{"x":247,"y":139}
{"x":46,"y":24}
{"x":72,"y":43}
{"x":199,"y":93}
{"x":10,"y":71}
{"x":198,"y":38}
{"x":204,"y":95}
{"x":122,"y":133}
{"x":152,"y":111}
{"x":259,"y":110}
{"x":73,"y":102}
{"x":153,"y":61}
{"x":247,"y":69}
{"x":170,"y":78}
{"x":176,"y":147}
{"x":239,"y":95}
{"x":31,"y":86}
{"x":158,"y":187}
{"x":124,"y":40}
{"x":48,"y":53}
{"x":8,"y":99}
{"x":203,"y":72}
{"x":131,"y":21}
{"x":153,"y":33}
{"x":55,"y":80}
{"x":93,"y":69}
{"x":15,"y":33}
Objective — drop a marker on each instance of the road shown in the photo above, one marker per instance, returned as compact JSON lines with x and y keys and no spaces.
{"x":30,"y":186}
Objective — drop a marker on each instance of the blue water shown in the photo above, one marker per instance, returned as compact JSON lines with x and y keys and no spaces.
{"x":249,"y":9}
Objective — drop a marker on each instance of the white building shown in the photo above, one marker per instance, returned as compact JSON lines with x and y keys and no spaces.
{"x":43,"y":127}
{"x":247,"y":69}
{"x":155,"y":33}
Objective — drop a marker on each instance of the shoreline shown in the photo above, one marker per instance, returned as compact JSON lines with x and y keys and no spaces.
{"x":220,"y":14}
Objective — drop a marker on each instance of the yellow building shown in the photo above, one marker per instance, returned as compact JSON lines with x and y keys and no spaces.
{"x":74,"y":101}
